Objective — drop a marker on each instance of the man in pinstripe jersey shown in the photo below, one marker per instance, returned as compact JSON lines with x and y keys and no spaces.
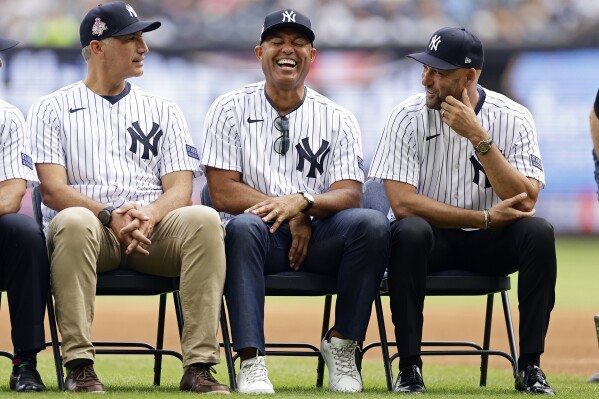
{"x":284,"y":167}
{"x":24,"y":270}
{"x":116,"y":165}
{"x":462,"y":170}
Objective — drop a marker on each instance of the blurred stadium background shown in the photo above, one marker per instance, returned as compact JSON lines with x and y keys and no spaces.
{"x":542,"y":53}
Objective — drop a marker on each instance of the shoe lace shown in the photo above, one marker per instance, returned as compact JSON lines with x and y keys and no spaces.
{"x":85,"y":373}
{"x":409,"y":374}
{"x":205,"y":373}
{"x":537,"y":375}
{"x":255,"y":371}
{"x":344,"y":357}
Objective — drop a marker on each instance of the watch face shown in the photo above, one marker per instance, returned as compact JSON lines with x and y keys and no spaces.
{"x":309,"y":197}
{"x":483,"y":147}
{"x":104,"y":216}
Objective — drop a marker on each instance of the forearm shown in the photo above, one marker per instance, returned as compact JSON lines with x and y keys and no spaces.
{"x":169,"y":201}
{"x":337,"y":199}
{"x":59,"y":197}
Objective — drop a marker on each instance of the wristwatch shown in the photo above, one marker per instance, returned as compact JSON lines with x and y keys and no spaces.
{"x":310,"y":199}
{"x":105,"y":215}
{"x":484,"y":146}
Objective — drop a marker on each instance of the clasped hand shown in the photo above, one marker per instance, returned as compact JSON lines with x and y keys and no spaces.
{"x":133,"y":227}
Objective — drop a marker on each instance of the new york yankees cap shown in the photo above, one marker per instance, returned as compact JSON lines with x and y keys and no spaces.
{"x":452,"y":48}
{"x":112,"y":19}
{"x":286,"y":19}
{"x":6,"y":44}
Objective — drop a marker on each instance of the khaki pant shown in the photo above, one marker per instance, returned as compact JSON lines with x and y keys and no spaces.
{"x":188,"y":242}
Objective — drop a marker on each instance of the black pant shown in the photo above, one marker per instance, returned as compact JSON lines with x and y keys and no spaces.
{"x":25,"y":276}
{"x":526,"y":246}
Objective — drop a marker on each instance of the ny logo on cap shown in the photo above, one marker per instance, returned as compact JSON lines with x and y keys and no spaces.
{"x":131,"y":11}
{"x":289,"y":16}
{"x":467,"y":60}
{"x":435,"y":40}
{"x":99,"y":27}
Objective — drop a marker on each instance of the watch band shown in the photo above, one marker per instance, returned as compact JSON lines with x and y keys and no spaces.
{"x":309,"y":199}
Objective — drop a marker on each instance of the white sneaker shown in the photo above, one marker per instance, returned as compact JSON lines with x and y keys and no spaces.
{"x":340,"y":357}
{"x":253,"y":377}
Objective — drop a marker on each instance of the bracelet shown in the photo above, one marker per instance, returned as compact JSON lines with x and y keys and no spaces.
{"x":487,"y":219}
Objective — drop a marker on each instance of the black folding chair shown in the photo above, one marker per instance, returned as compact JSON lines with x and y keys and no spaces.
{"x":290,"y":283}
{"x":122,"y":282}
{"x":447,"y":283}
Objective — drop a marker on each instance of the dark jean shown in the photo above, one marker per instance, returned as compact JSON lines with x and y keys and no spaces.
{"x":25,"y":276}
{"x":352,"y":245}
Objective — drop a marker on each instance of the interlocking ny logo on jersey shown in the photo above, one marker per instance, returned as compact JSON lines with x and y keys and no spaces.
{"x":138,"y":135}
{"x":305,"y":154}
{"x":435,"y":40}
{"x":289,"y":16}
{"x":478,"y":170}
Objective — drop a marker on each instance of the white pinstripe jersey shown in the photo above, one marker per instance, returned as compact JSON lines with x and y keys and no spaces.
{"x":419,"y":149}
{"x":112,"y":152}
{"x":15,"y":146}
{"x":239,"y":135}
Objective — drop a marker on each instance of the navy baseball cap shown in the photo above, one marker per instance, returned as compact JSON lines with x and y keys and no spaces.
{"x":286,"y":19}
{"x":112,"y":19}
{"x":452,"y":48}
{"x":6,"y":44}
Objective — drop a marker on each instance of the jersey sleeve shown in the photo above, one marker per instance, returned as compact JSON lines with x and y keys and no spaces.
{"x":222,"y":147}
{"x":525,"y":155}
{"x":178,"y":150}
{"x":348,"y":162}
{"x":396,"y":156}
{"x":44,"y":128}
{"x":15,"y":149}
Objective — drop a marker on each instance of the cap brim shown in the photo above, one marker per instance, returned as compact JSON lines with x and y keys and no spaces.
{"x":307,"y":32}
{"x":6,"y":44}
{"x":139,"y":26}
{"x":431,"y":61}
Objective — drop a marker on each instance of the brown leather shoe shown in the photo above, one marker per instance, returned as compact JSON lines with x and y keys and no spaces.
{"x":199,"y":379}
{"x":83,"y":379}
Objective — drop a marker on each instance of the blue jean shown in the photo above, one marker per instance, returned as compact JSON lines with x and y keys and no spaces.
{"x":352,"y":244}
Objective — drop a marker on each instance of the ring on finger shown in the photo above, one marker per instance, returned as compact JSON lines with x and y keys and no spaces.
{"x":276,"y":212}
{"x":442,"y":113}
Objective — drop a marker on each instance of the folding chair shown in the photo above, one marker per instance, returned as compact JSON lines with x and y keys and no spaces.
{"x":122,"y":282}
{"x":447,"y":283}
{"x":284,"y":284}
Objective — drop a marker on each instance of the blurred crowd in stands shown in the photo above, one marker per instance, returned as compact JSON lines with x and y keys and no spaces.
{"x":215,"y":24}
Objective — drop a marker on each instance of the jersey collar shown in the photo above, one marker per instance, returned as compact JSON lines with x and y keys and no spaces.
{"x":293,"y":109}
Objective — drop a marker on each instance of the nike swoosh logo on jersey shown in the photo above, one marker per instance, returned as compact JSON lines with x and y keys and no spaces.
{"x":250,"y":120}
{"x":432,"y":137}
{"x":71,"y":110}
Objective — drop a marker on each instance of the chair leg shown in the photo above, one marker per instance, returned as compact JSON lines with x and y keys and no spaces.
{"x":159,"y":339}
{"x":510,"y":331}
{"x":380,"y":317}
{"x":178,"y":312}
{"x":224,"y":328}
{"x":326,"y":319}
{"x":55,"y":343}
{"x":484,"y":362}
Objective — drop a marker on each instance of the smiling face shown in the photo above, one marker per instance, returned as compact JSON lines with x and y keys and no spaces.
{"x":286,"y":56}
{"x":124,"y":55}
{"x":442,"y":83}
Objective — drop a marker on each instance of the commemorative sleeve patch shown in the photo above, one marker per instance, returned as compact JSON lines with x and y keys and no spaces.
{"x":192,"y":152}
{"x":360,"y":163}
{"x":536,"y":162}
{"x":26,"y":160}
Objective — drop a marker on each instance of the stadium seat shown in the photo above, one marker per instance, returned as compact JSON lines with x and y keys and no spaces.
{"x":292,"y":283}
{"x":447,"y":283}
{"x":122,"y":282}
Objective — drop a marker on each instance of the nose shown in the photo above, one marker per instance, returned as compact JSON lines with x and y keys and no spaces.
{"x":426,"y":77}
{"x":142,"y":47}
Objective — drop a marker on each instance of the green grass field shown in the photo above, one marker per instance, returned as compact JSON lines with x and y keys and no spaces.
{"x":131,"y":377}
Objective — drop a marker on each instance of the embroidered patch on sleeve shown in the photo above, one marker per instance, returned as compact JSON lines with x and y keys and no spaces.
{"x":26,"y":160}
{"x":192,"y":152}
{"x":360,"y":163}
{"x":536,"y":162}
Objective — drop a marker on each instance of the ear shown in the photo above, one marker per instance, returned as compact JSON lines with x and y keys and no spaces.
{"x":313,"y":53}
{"x":96,"y":47}
{"x":258,"y":52}
{"x":470,"y":77}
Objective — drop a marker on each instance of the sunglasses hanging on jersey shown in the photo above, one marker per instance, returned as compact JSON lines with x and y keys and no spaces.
{"x":282,"y":143}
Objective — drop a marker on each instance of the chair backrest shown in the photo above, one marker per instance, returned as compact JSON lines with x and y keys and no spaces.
{"x":205,"y":196}
{"x":36,"y":201}
{"x":375,"y":197}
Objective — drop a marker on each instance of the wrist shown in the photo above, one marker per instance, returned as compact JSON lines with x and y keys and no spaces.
{"x":487,"y":221}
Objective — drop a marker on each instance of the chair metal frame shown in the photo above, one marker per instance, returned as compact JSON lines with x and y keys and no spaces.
{"x":447,"y":283}
{"x":122,"y":282}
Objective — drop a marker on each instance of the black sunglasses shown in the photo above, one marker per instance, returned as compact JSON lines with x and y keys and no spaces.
{"x":281,"y":145}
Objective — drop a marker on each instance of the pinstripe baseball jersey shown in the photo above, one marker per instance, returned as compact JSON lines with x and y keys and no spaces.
{"x":114,"y":150}
{"x":419,"y":149}
{"x":15,"y":146}
{"x":241,"y":132}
